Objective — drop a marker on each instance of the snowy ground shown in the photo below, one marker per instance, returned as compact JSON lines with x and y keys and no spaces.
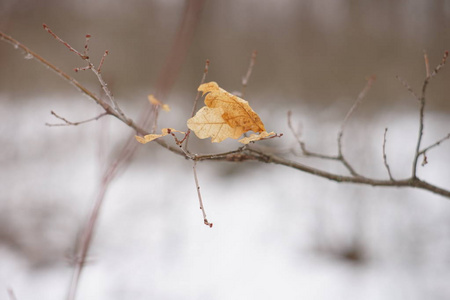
{"x":278,"y":233}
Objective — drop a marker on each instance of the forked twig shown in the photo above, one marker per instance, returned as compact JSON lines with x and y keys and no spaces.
{"x":422,"y":110}
{"x":90,"y":66}
{"x":202,"y":207}
{"x":385,"y":157}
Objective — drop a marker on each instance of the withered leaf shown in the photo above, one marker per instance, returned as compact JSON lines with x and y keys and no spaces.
{"x":224,"y":116}
{"x":208,"y":122}
{"x":256,"y":137}
{"x":150,"y":137}
{"x":237,"y":112}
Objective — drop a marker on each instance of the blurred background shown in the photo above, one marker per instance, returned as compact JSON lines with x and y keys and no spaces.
{"x":277,"y":232}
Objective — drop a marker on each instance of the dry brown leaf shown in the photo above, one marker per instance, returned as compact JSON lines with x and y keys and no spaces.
{"x":237,"y":112}
{"x":208,"y":122}
{"x":150,"y":137}
{"x":256,"y":137}
{"x":155,"y":101}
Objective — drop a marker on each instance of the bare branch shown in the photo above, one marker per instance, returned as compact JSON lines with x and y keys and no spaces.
{"x":384,"y":155}
{"x":246,"y":78}
{"x":68,"y":123}
{"x":202,"y":207}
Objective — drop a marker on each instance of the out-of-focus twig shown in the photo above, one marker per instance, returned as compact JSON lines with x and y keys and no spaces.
{"x":427,"y":64}
{"x":246,"y":78}
{"x":355,"y":105}
{"x":408,"y":87}
{"x":11,"y":294}
{"x":385,"y":156}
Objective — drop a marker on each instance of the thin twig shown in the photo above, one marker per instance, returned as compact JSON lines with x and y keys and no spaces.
{"x":202,"y":207}
{"x":199,"y":93}
{"x":68,"y":123}
{"x":302,"y":144}
{"x":408,"y":87}
{"x":384,"y":155}
{"x":99,"y":69}
{"x":440,"y":65}
{"x":246,"y":78}
{"x":427,"y":64}
{"x":174,"y":60}
{"x":422,"y":111}
{"x":424,"y":151}
{"x":358,"y":101}
{"x":86,"y":45}
{"x":197,"y":97}
{"x":84,"y":57}
{"x":355,"y":105}
{"x":435,"y":144}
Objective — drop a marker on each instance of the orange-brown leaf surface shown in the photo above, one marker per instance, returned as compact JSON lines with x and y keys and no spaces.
{"x":256,"y":137}
{"x":151,"y":137}
{"x":236,"y":111}
{"x":208,"y":122}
